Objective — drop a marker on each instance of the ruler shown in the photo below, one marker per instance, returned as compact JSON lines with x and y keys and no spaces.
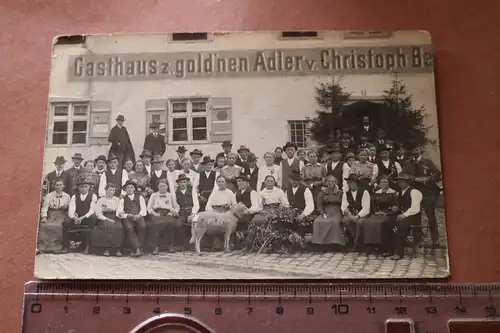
{"x":84,"y":307}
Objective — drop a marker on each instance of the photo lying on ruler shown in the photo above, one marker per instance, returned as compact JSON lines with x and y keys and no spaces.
{"x":260,"y":155}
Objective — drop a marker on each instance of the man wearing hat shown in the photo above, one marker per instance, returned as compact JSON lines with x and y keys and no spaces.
{"x":100,"y":164}
{"x":188,"y":203}
{"x":337,"y":168}
{"x":58,"y":173}
{"x":243,"y":152}
{"x":299,"y":196}
{"x":290,"y":164}
{"x":207,"y":181}
{"x":75,"y":171}
{"x":181,"y":154}
{"x":132,"y":210}
{"x":227,"y":146}
{"x":388,"y":167}
{"x":81,"y":212}
{"x":196,"y":160}
{"x":114,"y":175}
{"x":409,"y":200}
{"x":363,"y":142}
{"x":252,"y":170}
{"x":121,"y":146}
{"x":426,"y":176}
{"x":146,"y":160}
{"x":158,"y":172}
{"x":355,"y":207}
{"x":154,"y":141}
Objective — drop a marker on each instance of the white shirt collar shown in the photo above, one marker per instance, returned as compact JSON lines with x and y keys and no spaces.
{"x":158,"y":172}
{"x":113,"y":171}
{"x":83,"y":196}
{"x":131,"y":196}
{"x":290,"y":160}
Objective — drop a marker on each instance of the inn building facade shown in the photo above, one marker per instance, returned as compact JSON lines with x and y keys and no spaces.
{"x":260,"y":111}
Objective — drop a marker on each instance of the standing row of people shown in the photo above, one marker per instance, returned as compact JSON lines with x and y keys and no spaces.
{"x":295,"y":179}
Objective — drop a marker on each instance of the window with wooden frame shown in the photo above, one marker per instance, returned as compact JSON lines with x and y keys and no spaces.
{"x":299,"y":132}
{"x":189,"y":120}
{"x":68,"y":123}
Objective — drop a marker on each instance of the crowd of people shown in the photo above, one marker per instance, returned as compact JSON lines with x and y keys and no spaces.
{"x":371,"y":188}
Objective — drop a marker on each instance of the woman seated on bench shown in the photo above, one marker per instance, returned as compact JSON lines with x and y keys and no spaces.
{"x":109,"y":233}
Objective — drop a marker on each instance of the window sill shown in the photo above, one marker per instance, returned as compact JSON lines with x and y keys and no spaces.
{"x":84,"y":145}
{"x":188,"y":142}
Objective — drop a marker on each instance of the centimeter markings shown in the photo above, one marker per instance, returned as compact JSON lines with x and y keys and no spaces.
{"x":262,"y":289}
{"x":343,"y":299}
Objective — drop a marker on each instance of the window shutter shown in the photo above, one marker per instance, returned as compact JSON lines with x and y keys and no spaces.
{"x":100,"y":122}
{"x":156,"y":110}
{"x":221,"y":119}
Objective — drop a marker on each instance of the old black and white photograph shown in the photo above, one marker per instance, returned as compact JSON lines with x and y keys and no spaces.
{"x":264,"y":155}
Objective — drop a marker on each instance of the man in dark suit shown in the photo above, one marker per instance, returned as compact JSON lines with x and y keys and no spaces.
{"x":155,"y":142}
{"x":398,"y":153}
{"x":252,"y":170}
{"x":226,"y":149}
{"x":381,"y":138}
{"x":75,"y":171}
{"x":426,"y":175}
{"x":243,"y":152}
{"x":57,"y":174}
{"x":366,"y":129}
{"x":121,"y":146}
{"x":181,"y":154}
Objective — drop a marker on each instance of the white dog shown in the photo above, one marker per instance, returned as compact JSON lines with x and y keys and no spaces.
{"x":216,"y":223}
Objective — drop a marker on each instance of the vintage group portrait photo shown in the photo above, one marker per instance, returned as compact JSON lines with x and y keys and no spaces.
{"x":264,"y":155}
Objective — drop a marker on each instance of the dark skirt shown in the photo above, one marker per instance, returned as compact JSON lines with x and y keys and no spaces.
{"x":107,"y":234}
{"x":329,"y":230}
{"x":373,"y":228}
{"x":160,"y":224}
{"x":50,"y":234}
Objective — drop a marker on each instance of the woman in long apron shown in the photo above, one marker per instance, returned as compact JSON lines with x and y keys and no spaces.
{"x":163,"y":211}
{"x":108,"y":233}
{"x":54,"y":212}
{"x":327,"y":228}
{"x":378,"y":226}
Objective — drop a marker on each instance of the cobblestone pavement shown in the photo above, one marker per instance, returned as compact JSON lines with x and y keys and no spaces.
{"x":240,"y":265}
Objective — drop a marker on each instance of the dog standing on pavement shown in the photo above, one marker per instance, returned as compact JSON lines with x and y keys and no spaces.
{"x":216,"y":223}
